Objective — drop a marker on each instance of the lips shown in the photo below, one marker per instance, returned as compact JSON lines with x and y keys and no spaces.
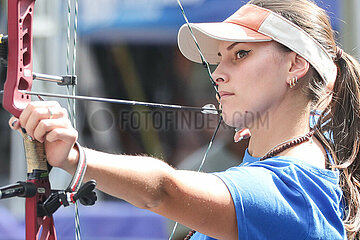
{"x":224,"y":94}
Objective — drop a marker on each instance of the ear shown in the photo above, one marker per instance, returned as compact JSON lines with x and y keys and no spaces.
{"x":298,"y":67}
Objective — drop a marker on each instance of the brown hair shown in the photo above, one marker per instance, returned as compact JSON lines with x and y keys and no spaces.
{"x":341,"y":117}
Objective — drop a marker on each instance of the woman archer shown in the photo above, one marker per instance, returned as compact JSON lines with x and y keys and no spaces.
{"x":274,"y":57}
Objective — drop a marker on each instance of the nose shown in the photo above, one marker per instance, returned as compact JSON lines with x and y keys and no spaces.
{"x":219,"y":80}
{"x":220,"y":76}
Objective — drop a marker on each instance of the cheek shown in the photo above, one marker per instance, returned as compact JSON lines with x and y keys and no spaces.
{"x":258,"y":89}
{"x":268,"y":79}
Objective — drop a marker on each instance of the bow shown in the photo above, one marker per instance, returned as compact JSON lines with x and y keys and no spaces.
{"x":41,"y":200}
{"x":19,"y":77}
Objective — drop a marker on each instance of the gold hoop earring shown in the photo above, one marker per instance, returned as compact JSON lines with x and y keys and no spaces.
{"x":293,"y":82}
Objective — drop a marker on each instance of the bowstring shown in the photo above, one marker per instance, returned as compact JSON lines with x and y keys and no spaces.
{"x":76,"y":10}
{"x":205,"y":63}
{"x":72,"y":88}
{"x":68,"y":70}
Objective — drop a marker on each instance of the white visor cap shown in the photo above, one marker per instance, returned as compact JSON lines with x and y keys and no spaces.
{"x":255,"y":24}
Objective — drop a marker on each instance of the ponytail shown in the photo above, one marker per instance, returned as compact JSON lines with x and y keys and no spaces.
{"x":342,"y":120}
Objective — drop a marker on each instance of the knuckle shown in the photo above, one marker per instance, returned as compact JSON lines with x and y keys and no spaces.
{"x":37,"y":136}
{"x":75,"y":135}
{"x":55,"y":104}
{"x":31,"y":106}
{"x":43,"y":124}
{"x":63,"y":112}
{"x":67,"y":123}
{"x":53,"y":134}
{"x":37,"y":112}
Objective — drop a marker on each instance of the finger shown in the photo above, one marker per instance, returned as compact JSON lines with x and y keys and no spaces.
{"x":41,"y":113}
{"x":14,"y":123}
{"x":242,"y":134}
{"x":68,"y":135}
{"x":47,"y":125}
{"x":34,"y":119}
{"x":57,"y":112}
{"x":31,"y":108}
{"x":245,"y":133}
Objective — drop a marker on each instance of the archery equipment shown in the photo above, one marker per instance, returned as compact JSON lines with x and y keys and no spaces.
{"x":16,"y":50}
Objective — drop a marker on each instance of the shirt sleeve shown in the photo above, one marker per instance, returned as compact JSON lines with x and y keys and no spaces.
{"x":266,"y":206}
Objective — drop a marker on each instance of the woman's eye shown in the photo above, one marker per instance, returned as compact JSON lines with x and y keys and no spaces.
{"x":242,"y":53}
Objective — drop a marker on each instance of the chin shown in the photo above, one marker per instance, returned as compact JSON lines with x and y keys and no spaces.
{"x":230,"y":124}
{"x":231,"y":121}
{"x":239,"y":119}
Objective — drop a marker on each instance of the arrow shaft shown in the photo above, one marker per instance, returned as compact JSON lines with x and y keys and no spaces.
{"x":121,"y":101}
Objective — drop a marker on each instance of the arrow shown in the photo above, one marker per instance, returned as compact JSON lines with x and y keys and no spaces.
{"x":207,"y":109}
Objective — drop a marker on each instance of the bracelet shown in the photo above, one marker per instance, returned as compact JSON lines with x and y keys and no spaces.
{"x":80,"y":170}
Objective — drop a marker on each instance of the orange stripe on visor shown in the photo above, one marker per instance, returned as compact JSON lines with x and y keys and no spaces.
{"x":251,"y":18}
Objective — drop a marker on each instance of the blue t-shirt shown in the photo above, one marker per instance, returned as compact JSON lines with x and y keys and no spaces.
{"x":284,"y":198}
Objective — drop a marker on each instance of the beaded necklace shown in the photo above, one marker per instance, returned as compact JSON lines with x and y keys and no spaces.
{"x":273,"y":152}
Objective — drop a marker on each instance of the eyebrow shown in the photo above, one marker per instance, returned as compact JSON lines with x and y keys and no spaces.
{"x":230,"y":47}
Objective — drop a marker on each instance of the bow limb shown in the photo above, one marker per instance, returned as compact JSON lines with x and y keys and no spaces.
{"x":19,"y":77}
{"x":19,"y":73}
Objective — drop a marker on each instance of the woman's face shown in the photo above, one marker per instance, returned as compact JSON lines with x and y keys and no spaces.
{"x":252,"y":81}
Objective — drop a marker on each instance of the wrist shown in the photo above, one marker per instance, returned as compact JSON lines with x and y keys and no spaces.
{"x":72,"y":160}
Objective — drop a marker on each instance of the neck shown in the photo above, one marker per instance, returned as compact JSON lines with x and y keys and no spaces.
{"x":277,"y":129}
